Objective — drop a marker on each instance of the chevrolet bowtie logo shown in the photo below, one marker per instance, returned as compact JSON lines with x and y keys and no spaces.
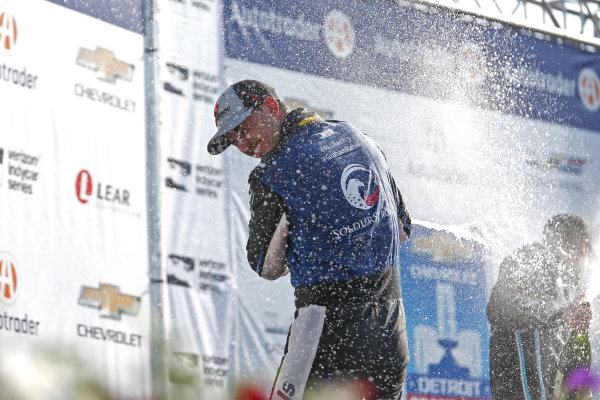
{"x":110,"y":302}
{"x":104,"y":62}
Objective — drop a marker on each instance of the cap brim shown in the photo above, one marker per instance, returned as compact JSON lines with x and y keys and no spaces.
{"x":219,"y":143}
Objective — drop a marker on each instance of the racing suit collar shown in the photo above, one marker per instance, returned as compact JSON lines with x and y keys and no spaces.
{"x":294,"y":122}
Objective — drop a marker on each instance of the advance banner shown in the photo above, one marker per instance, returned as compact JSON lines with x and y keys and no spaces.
{"x":422,"y":52}
{"x":444,"y":283}
{"x":74,"y":303}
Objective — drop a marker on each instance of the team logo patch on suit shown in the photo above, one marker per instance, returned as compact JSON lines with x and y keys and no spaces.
{"x":360,"y":186}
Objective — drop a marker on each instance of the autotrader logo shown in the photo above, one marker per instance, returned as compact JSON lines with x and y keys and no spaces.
{"x":360,"y":186}
{"x":339,"y":34}
{"x":9,"y":279}
{"x":8,"y":31}
{"x":589,"y":89}
{"x":83,"y":186}
{"x":109,"y":301}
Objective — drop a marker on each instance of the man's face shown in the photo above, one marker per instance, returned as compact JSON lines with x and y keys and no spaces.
{"x":258,"y":134}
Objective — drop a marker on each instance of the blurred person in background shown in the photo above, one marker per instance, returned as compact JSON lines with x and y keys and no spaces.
{"x":324,"y":208}
{"x":533,"y":307}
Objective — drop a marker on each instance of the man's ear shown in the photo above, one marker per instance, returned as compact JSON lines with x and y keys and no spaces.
{"x":271,"y":104}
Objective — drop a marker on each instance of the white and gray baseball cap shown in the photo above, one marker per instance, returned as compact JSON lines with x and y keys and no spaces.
{"x":234,"y":106}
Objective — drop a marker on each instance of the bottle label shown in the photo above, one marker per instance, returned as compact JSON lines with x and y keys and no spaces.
{"x":558,"y":383}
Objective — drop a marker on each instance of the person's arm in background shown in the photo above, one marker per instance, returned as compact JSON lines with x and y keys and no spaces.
{"x":268,"y":229}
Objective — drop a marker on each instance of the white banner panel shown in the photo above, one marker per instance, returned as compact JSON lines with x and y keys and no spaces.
{"x":73,"y":250}
{"x":194,"y":218}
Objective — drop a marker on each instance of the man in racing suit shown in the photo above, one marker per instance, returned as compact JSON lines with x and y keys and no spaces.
{"x":531,"y":310}
{"x":325,"y":208}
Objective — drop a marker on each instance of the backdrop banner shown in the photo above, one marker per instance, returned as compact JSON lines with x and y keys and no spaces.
{"x":74,"y":304}
{"x":195,"y":235}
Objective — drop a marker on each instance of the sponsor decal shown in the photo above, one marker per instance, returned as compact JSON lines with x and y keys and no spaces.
{"x":111,"y":303}
{"x":184,"y":368}
{"x":273,"y":323}
{"x":216,"y":370}
{"x":105,"y":64}
{"x":349,"y":146}
{"x":108,"y":69}
{"x":201,"y":179}
{"x":441,"y":247}
{"x":443,"y":274}
{"x":203,"y":85}
{"x":8,"y":31}
{"x":109,"y":335}
{"x":9,"y":279}
{"x":10,"y":289}
{"x":9,"y":38}
{"x":339,"y":34}
{"x":589,"y":89}
{"x":538,"y":80}
{"x":104,"y":195}
{"x":204,"y":274}
{"x":270,"y":21}
{"x":447,"y":389}
{"x":363,"y":223}
{"x":569,"y":164}
{"x":23,"y":170}
{"x":360,"y":186}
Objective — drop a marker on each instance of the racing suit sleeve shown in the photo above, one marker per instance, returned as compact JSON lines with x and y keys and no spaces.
{"x":522,"y":299}
{"x":268,"y":228}
{"x":403,"y":216}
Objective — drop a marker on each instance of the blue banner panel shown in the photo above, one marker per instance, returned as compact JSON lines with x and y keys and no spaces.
{"x":443,"y":286}
{"x":419,"y":51}
{"x":128,"y":14}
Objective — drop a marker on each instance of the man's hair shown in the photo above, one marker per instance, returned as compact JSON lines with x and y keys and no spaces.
{"x":567,"y":231}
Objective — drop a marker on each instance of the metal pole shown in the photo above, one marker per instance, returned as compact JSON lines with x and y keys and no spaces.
{"x":158,"y":337}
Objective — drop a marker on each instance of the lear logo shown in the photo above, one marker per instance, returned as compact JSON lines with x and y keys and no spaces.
{"x":8,"y":31}
{"x":83,"y":186}
{"x":109,"y":301}
{"x":339,"y":34}
{"x":104,"y":62}
{"x":9,"y":279}
{"x":589,"y":89}
{"x":363,"y":192}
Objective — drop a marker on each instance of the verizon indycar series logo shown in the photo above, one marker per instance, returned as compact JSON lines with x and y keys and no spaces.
{"x":360,"y":186}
